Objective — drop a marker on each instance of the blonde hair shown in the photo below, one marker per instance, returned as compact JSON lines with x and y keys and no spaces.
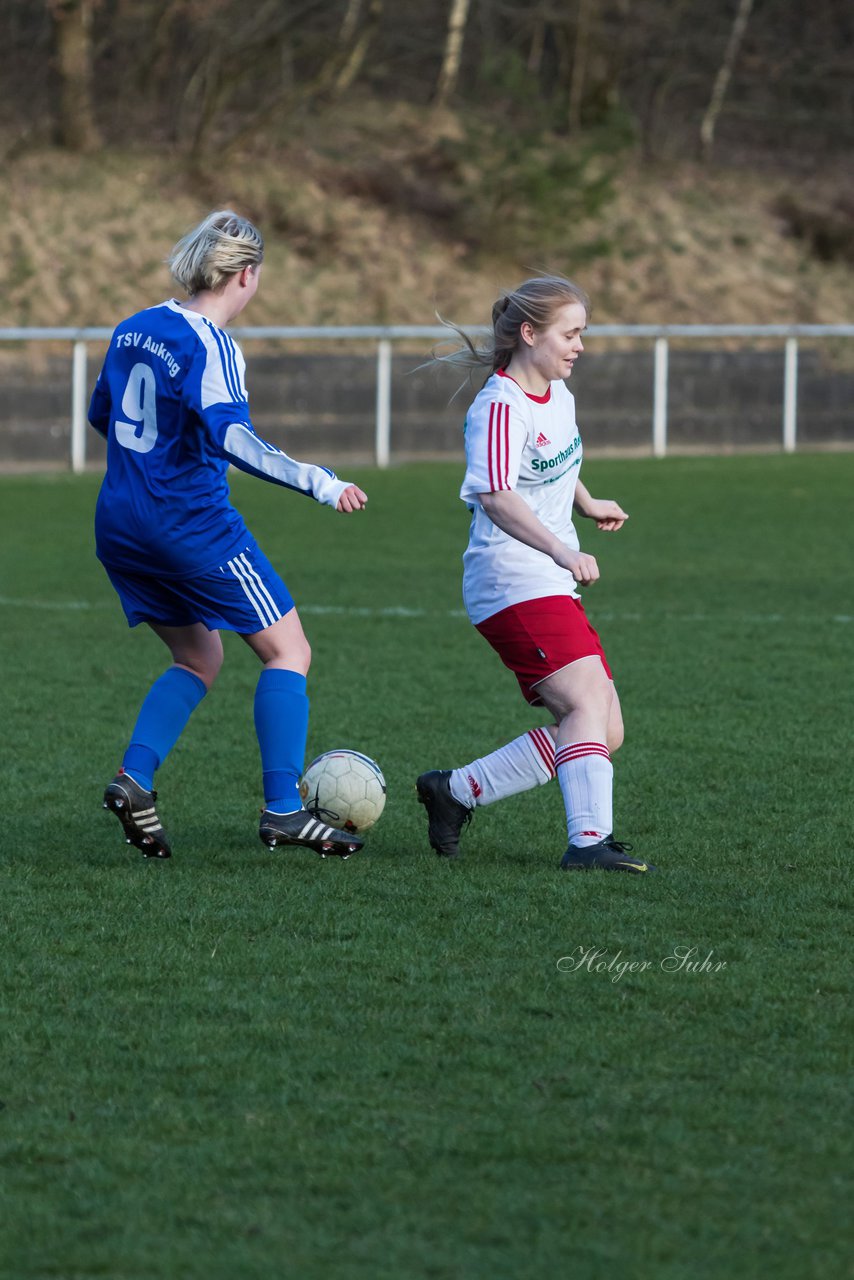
{"x":219,"y":247}
{"x":536,"y":301}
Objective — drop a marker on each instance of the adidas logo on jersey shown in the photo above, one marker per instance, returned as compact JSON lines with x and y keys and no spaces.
{"x":546,"y":464}
{"x":542,"y":440}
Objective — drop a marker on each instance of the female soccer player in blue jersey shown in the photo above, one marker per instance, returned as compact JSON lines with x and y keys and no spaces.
{"x":171,"y":402}
{"x":522,"y":570}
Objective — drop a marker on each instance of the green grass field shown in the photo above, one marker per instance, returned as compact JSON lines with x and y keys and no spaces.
{"x":241,"y":1064}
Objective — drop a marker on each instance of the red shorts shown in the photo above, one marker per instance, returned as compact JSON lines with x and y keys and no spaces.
{"x":539,"y":637}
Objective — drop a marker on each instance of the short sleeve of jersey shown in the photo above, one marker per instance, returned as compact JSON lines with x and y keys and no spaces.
{"x":496,"y":433}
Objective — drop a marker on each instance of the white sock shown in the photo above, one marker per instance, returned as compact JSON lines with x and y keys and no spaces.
{"x":586,"y":778}
{"x":517,"y":766}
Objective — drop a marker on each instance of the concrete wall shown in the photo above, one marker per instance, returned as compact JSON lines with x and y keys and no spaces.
{"x":322,"y":405}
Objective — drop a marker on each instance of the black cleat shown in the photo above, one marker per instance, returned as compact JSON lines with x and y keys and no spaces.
{"x":446,"y":817}
{"x":134,"y":808}
{"x":606,"y":855}
{"x":302,"y":828}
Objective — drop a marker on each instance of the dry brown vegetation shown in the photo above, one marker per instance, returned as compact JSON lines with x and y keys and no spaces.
{"x":86,"y":237}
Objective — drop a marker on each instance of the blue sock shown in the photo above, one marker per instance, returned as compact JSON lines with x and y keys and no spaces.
{"x":162,"y":717}
{"x":281,"y":722}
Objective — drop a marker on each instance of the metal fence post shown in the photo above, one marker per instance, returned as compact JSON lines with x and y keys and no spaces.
{"x":383,"y":424}
{"x":659,"y":403}
{"x":78,"y":407}
{"x":386,"y":335}
{"x":790,"y":396}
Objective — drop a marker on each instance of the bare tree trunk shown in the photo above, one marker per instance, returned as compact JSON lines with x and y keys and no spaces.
{"x":350,"y":21}
{"x":334,"y":77}
{"x":356,"y":55}
{"x":449,"y":74}
{"x":579,"y":65}
{"x":538,"y":40}
{"x":72,"y":33}
{"x":722,"y":79}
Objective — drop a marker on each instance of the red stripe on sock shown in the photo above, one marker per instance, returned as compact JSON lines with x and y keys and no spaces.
{"x":578,"y":750}
{"x":569,"y":756}
{"x":545,"y":747}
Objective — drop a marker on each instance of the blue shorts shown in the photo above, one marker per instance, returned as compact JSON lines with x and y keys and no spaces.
{"x":245,"y":595}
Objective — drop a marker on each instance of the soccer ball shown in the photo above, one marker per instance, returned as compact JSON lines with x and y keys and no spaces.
{"x":345,"y":789}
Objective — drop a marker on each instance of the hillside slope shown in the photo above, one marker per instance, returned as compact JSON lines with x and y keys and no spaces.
{"x":84,"y":242}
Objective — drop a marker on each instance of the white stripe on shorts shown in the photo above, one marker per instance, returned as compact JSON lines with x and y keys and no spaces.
{"x":256,"y":593}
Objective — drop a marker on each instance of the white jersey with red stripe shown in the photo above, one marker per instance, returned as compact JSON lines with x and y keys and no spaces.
{"x":530,"y":444}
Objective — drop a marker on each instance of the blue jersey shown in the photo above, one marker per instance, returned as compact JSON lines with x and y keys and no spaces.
{"x":171,"y":401}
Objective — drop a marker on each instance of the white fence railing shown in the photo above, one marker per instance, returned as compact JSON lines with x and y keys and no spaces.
{"x":384,"y":336}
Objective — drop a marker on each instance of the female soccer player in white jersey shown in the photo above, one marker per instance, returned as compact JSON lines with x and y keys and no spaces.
{"x":521,"y":574}
{"x":171,"y":402}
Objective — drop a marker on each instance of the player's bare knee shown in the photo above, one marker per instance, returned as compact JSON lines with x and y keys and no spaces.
{"x":206,"y":666}
{"x":295,"y":655}
{"x":597,"y":700}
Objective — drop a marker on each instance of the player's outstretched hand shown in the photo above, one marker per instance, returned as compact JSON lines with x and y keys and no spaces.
{"x":352,"y":499}
{"x":609,"y":516}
